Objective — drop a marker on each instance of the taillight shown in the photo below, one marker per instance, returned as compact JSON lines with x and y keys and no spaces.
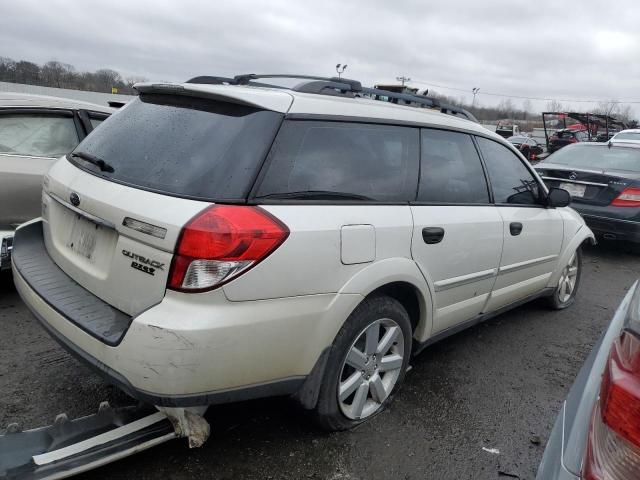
{"x":221,"y":243}
{"x":613,"y":450}
{"x":630,"y":197}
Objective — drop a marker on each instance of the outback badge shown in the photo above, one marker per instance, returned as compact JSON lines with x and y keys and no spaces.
{"x":143,"y":264}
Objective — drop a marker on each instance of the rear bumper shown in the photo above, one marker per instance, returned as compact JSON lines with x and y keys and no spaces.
{"x":201,"y":349}
{"x":613,"y":228}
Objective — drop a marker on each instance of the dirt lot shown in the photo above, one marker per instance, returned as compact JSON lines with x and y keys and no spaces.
{"x":498,"y":385}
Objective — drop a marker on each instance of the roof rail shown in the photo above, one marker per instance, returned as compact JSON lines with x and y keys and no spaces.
{"x":339,"y":86}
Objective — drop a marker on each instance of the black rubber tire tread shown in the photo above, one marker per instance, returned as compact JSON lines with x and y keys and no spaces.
{"x":554,"y":302}
{"x":327,"y":413}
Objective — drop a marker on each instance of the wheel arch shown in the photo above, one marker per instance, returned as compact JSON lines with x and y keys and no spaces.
{"x":399,"y":278}
{"x":583,"y":235}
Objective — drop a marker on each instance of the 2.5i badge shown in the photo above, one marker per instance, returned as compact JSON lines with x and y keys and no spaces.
{"x":143,"y":264}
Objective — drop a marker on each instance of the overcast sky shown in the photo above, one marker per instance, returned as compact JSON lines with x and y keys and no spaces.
{"x":551,"y":49}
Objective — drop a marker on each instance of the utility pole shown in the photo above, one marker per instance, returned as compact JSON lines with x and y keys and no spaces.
{"x":475,"y":91}
{"x":339,"y":70}
{"x":403,"y":79}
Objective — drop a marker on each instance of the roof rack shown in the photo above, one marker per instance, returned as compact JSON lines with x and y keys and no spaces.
{"x":338,"y":86}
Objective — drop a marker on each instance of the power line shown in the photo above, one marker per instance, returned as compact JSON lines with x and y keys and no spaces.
{"x":493,"y":94}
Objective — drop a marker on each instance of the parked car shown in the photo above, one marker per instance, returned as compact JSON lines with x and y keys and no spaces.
{"x":212,"y":243}
{"x":627,"y":136}
{"x":597,"y":433}
{"x":604,"y":183}
{"x":529,"y":148}
{"x":34,"y":131}
{"x":562,"y":138}
{"x":507,"y":131}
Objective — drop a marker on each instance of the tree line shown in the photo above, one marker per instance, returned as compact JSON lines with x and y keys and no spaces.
{"x":525,"y":116}
{"x":63,"y":75}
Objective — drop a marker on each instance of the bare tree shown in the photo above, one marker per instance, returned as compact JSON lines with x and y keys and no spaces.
{"x":554,"y":106}
{"x":107,"y":79}
{"x":131,"y":81}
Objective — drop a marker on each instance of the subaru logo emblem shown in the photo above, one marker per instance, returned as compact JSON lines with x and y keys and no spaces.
{"x":74,"y":199}
{"x":573,"y":176}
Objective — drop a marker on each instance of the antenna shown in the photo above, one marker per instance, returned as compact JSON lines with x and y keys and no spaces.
{"x":403,"y":79}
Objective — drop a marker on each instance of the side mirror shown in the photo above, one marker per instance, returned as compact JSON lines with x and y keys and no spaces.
{"x":558,"y":197}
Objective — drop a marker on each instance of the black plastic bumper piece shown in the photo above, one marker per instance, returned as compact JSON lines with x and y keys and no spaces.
{"x":61,"y":292}
{"x":18,"y":448}
{"x":614,"y":228}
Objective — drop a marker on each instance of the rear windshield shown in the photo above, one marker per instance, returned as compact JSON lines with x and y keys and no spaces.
{"x":184,"y":146}
{"x":600,"y":157}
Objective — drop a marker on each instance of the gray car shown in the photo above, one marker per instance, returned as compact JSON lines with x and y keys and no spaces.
{"x":597,"y":433}
{"x":34,"y":131}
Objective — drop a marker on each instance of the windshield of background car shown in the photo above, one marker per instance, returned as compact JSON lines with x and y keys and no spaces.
{"x":628,"y":136}
{"x":184,"y":146}
{"x":600,"y":157}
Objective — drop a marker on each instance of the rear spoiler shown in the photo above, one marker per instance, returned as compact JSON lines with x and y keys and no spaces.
{"x":223,"y":93}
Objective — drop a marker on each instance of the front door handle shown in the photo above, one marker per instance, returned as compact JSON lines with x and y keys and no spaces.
{"x":432,"y":235}
{"x":515,"y":228}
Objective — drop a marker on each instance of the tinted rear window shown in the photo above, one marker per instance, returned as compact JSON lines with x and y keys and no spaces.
{"x":451,"y":170}
{"x":600,"y":157}
{"x":341,"y":160}
{"x":183,"y":146}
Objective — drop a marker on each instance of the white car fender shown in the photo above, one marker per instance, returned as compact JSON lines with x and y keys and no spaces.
{"x":583,"y":233}
{"x":390,"y":270}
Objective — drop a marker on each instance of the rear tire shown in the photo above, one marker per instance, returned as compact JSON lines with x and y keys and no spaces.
{"x":366,"y":365}
{"x":565,"y":293}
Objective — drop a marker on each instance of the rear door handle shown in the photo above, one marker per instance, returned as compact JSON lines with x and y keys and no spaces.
{"x":515,"y":228}
{"x":432,"y":235}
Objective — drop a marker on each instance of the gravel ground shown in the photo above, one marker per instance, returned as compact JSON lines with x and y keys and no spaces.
{"x":498,"y":385}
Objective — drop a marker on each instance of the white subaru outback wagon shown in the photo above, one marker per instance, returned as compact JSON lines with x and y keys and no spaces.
{"x":217,"y":241}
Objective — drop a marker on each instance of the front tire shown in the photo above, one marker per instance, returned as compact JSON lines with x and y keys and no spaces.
{"x":565,"y":293}
{"x":366,"y":365}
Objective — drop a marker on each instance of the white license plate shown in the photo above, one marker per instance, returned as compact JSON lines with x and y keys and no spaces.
{"x":576,"y":190}
{"x":83,"y":237}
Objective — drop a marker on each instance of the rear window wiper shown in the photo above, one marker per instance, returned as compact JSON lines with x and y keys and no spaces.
{"x":315,"y":195}
{"x":98,"y":162}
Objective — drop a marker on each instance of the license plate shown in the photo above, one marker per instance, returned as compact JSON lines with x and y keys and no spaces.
{"x":576,"y":190}
{"x":83,"y":237}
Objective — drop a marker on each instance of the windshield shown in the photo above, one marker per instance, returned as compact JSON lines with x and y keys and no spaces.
{"x":180,"y":145}
{"x":628,"y":136}
{"x":600,"y":157}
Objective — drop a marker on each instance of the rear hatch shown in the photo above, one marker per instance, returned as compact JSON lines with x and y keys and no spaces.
{"x":114,"y":208}
{"x":593,"y":174}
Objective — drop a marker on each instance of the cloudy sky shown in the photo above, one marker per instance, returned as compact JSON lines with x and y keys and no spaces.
{"x":535,"y":48}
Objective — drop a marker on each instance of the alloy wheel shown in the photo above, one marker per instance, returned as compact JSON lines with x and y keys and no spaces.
{"x":568,"y":278}
{"x":371,"y":369}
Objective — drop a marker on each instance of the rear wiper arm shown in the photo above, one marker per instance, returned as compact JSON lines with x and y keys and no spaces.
{"x":315,"y":195}
{"x":98,"y":162}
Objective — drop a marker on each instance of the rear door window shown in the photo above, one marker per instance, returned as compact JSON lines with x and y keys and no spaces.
{"x":450,"y":170}
{"x":183,"y":146}
{"x":316,"y":160}
{"x":37,"y":135}
{"x":511,"y":181}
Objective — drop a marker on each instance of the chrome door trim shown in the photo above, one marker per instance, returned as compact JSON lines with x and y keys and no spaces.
{"x":463,"y":279}
{"x":527,"y":263}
